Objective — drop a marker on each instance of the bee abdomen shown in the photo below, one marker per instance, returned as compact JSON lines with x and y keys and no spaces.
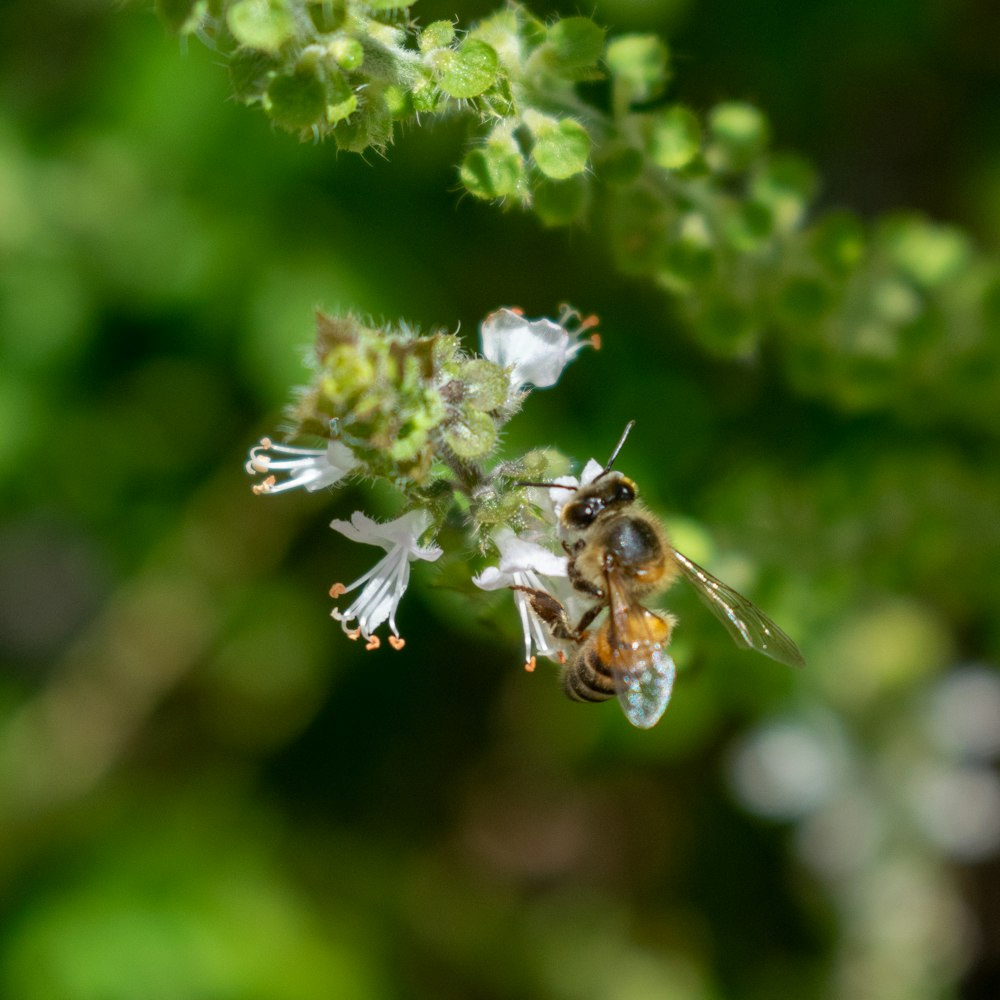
{"x":588,"y":679}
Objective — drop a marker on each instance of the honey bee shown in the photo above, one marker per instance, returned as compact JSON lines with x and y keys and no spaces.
{"x":619,"y":555}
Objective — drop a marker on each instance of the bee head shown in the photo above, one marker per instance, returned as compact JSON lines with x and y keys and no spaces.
{"x":609,"y":491}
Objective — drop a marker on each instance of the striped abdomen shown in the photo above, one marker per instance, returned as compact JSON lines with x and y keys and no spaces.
{"x":588,"y":677}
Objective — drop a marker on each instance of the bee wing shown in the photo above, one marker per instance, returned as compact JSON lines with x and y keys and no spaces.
{"x":642,"y":671}
{"x":745,"y":622}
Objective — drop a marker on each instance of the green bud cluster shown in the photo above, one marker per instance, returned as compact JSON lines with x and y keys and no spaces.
{"x":410,"y":406}
{"x":869,"y":317}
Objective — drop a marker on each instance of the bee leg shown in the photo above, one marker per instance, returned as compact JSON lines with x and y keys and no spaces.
{"x":588,"y":616}
{"x":550,"y":610}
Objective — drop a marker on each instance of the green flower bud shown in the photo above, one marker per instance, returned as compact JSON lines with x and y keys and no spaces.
{"x":347,"y":52}
{"x":261,"y":24}
{"x":471,"y":435}
{"x":562,"y":146}
{"x":786,"y":186}
{"x":496,"y":169}
{"x":673,"y":138}
{"x":468,"y":70}
{"x":739,"y":133}
{"x":484,"y":384}
{"x":750,"y":226}
{"x":689,"y":258}
{"x":327,"y":15}
{"x":296,"y":100}
{"x":426,"y":95}
{"x":437,"y":35}
{"x":639,"y":67}
{"x":250,"y":72}
{"x":928,"y":254}
{"x":573,"y":47}
{"x":838,"y":241}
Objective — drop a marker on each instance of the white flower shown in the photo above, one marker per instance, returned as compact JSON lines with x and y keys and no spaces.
{"x":534,"y":351}
{"x":385,"y":583}
{"x":521,"y":564}
{"x":312,"y":468}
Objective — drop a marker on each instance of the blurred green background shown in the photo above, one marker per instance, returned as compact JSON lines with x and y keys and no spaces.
{"x":205,"y":792}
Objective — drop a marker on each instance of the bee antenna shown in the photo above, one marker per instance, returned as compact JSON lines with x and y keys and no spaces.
{"x":618,"y":447}
{"x":548,"y":486}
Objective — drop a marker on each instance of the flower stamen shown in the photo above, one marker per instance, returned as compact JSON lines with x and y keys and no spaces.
{"x":311,"y":468}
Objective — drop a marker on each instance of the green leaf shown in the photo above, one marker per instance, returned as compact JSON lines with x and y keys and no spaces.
{"x":674,"y":138}
{"x":261,"y":24}
{"x":562,"y":146}
{"x":639,"y":65}
{"x":388,"y":4}
{"x":469,"y":70}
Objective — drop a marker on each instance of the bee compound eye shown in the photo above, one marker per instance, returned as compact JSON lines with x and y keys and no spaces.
{"x":579,"y":515}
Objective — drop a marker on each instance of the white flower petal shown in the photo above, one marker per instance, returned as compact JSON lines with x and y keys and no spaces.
{"x":522,"y":564}
{"x":382,"y":586}
{"x":534,"y":351}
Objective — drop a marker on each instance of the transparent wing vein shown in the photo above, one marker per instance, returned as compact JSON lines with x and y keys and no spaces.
{"x":745,"y":622}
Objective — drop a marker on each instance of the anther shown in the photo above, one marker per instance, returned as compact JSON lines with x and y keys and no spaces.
{"x":397,"y":642}
{"x":264,"y":487}
{"x":353,"y":633}
{"x":373,"y":643}
{"x":338,"y":590}
{"x":530,"y":665}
